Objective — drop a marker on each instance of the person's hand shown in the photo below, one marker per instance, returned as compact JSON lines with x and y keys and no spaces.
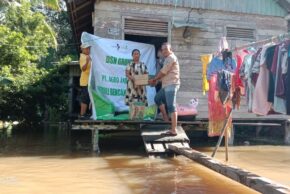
{"x":152,"y":82}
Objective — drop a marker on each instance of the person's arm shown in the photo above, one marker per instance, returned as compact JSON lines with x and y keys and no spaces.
{"x":159,"y":76}
{"x":164,"y":71}
{"x":85,"y":66}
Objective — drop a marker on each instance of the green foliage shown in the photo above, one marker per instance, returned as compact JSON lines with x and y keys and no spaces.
{"x":38,"y":88}
{"x":61,"y":24}
{"x":51,"y":4}
{"x":33,"y":92}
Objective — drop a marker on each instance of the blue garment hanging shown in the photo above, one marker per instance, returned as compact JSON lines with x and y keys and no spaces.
{"x":217,"y":65}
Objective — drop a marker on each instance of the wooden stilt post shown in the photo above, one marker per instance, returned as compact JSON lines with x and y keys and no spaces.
{"x":232,"y":137}
{"x":287,"y":132}
{"x":222,"y":134}
{"x":95,"y":140}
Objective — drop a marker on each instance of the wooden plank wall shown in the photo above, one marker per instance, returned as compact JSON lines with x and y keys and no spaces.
{"x":109,"y":15}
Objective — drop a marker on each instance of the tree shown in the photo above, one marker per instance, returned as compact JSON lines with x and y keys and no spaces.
{"x":52,"y":4}
{"x":25,"y":46}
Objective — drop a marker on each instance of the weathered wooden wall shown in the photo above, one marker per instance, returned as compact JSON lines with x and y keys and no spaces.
{"x":109,"y":14}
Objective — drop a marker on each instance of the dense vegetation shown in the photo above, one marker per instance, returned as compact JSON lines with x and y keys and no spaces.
{"x":35,"y":45}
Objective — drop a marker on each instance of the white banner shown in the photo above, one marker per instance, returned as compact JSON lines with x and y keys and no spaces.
{"x":109,"y":60}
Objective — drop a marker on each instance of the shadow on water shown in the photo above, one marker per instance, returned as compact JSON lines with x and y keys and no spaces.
{"x":53,"y":141}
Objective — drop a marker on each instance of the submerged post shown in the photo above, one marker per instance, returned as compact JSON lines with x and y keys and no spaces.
{"x":287,"y":132}
{"x":95,"y":141}
{"x":232,"y":136}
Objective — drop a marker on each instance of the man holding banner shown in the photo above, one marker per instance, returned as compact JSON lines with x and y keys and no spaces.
{"x":170,"y":78}
{"x":85,"y":66}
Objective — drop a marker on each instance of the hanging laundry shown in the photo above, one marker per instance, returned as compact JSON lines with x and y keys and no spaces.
{"x":205,"y":60}
{"x":261,"y":106}
{"x":288,"y":83}
{"x":270,"y":55}
{"x":280,"y":87}
{"x":255,"y":68}
{"x":217,"y":112}
{"x":236,"y":99}
{"x":223,"y":44}
{"x":262,"y":75}
{"x":279,"y":105}
{"x":218,"y":64}
{"x":224,"y":84}
{"x":240,"y":56}
{"x":265,"y":76}
{"x":249,"y":72}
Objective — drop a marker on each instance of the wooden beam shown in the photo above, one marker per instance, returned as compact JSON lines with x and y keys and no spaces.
{"x":143,"y":33}
{"x":82,"y":6}
{"x":125,"y":122}
{"x":194,"y":122}
{"x":256,"y":182}
{"x":258,"y":124}
{"x":70,"y":8}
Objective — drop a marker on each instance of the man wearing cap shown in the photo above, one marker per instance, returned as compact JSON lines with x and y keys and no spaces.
{"x":85,"y":65}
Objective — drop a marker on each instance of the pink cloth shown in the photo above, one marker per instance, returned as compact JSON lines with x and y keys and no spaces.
{"x":261,"y":106}
{"x":186,"y":110}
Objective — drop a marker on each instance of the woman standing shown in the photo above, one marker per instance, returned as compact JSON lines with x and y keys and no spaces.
{"x":135,"y":93}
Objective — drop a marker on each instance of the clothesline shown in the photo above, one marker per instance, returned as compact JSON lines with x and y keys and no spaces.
{"x":278,"y":38}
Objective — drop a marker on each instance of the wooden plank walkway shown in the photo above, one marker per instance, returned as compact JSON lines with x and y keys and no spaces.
{"x":156,"y":143}
{"x":256,"y":182}
{"x":95,"y":126}
{"x":282,"y":121}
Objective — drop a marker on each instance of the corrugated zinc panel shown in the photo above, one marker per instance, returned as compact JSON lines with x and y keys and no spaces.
{"x":263,"y":7}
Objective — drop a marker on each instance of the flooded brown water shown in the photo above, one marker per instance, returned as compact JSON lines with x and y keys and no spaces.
{"x":33,"y":162}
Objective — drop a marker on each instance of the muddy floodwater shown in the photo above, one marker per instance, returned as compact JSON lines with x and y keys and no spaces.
{"x":41,"y":161}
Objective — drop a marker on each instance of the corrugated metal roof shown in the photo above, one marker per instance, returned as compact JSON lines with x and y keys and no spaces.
{"x":263,"y":7}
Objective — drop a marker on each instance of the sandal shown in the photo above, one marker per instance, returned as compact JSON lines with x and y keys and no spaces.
{"x":168,"y":133}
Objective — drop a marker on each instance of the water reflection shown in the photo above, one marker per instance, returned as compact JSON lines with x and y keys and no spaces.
{"x":40,"y":161}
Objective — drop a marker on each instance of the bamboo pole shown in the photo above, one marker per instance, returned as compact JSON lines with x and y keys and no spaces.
{"x":227,"y":143}
{"x":222,"y":134}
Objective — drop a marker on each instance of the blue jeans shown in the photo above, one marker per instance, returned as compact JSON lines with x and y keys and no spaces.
{"x":167,"y":96}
